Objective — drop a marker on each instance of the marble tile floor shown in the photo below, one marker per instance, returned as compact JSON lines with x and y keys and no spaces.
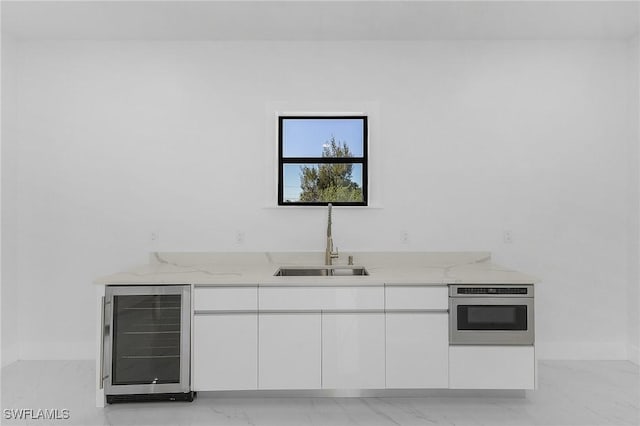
{"x":571,"y":393}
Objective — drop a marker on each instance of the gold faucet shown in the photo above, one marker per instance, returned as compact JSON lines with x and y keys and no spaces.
{"x":329,"y":254}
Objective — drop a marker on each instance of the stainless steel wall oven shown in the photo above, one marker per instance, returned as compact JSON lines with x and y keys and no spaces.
{"x":146,"y":343}
{"x":491,"y":315}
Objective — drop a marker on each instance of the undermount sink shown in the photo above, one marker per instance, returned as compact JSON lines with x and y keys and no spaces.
{"x":321,"y":271}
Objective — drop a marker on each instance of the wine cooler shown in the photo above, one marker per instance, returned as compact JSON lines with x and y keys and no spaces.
{"x":146,"y":343}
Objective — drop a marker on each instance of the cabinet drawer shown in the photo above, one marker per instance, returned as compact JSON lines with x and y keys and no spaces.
{"x":416,"y":297}
{"x":225,"y":298}
{"x":492,"y":367}
{"x":321,"y":298}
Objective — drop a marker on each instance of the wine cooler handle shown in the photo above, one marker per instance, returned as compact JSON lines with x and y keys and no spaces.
{"x":104,"y":330}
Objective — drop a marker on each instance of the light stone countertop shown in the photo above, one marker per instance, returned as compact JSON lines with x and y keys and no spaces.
{"x":390,"y":268}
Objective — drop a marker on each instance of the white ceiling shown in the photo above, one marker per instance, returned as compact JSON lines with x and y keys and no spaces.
{"x":319,"y":20}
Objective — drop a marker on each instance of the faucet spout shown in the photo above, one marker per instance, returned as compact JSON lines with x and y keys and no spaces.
{"x":329,"y":220}
{"x":329,"y":254}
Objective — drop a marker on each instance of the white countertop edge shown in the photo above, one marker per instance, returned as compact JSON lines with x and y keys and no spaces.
{"x":392,"y":269}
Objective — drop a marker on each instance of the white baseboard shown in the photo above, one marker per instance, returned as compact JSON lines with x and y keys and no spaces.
{"x":634,"y":354}
{"x":582,"y":350}
{"x":9,"y":354}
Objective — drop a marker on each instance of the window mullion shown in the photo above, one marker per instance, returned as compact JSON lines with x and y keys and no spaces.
{"x":324,"y":160}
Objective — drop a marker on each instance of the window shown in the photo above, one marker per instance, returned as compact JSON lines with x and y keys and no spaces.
{"x":322,"y":160}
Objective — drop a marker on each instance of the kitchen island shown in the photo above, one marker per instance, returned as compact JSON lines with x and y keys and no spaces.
{"x":390,"y":329}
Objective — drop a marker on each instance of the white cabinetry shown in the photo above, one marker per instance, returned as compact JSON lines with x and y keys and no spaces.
{"x":225,"y":338}
{"x":417,"y":337}
{"x":308,"y":297}
{"x":225,"y":352}
{"x":413,"y":297}
{"x":353,"y":351}
{"x":341,"y":337}
{"x":329,"y":337}
{"x":225,"y":298}
{"x":417,"y":350}
{"x":491,"y":367}
{"x":289,"y":351}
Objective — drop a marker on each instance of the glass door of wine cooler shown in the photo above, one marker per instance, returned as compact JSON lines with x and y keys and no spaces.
{"x":147,"y":339}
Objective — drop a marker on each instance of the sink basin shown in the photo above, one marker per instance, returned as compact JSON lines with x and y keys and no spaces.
{"x":343,"y":272}
{"x":321,"y":271}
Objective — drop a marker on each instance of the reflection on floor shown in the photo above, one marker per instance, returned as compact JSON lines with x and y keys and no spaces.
{"x":580,"y":393}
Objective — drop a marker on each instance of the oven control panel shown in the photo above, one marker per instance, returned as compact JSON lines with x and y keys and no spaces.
{"x":479,"y":290}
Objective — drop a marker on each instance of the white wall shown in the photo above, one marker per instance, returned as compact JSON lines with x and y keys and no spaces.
{"x":119,"y":139}
{"x":9,"y":290}
{"x":633,"y":296}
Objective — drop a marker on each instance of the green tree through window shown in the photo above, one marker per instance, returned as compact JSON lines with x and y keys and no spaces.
{"x":330,"y":182}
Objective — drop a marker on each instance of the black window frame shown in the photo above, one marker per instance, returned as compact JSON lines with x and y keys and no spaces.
{"x":324,"y":160}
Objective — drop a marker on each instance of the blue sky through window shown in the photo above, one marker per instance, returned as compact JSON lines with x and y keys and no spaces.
{"x":303,"y":137}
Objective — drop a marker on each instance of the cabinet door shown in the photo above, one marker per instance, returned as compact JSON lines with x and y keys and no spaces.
{"x":225,"y":352}
{"x":289,"y":355}
{"x":353,"y":351}
{"x":417,"y":350}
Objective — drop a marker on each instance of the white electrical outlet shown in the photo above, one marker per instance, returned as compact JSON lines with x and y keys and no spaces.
{"x":239,"y":237}
{"x":507,"y":237}
{"x":404,"y":237}
{"x":154,"y":236}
